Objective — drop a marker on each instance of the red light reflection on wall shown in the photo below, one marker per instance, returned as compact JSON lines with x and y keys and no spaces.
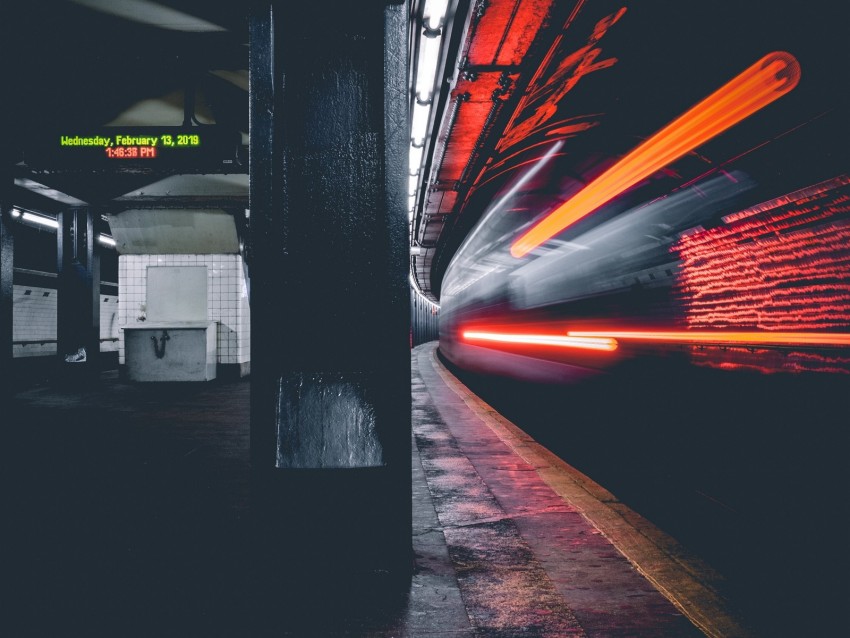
{"x":782,"y":265}
{"x":768,"y":79}
{"x":767,"y":361}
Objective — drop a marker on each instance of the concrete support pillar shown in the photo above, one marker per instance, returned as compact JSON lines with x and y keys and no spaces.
{"x":330,"y":316}
{"x":78,"y":283}
{"x":7,"y":260}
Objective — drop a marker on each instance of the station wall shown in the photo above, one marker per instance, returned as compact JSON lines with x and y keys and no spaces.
{"x":34,"y":317}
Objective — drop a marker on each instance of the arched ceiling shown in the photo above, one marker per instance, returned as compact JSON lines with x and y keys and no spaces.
{"x":598,"y":78}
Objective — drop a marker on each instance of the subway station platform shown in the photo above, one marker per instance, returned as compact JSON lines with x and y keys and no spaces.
{"x":126,"y":512}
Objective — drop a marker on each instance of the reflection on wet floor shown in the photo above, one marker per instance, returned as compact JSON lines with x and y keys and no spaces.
{"x":130,"y":515}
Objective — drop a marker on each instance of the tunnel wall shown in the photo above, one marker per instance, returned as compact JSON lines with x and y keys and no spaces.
{"x":424,"y":320}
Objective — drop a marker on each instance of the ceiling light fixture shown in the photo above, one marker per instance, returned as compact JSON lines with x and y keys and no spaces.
{"x":41,"y":220}
{"x":435,"y":13}
{"x":429,"y":57}
{"x":425,"y":86}
{"x":415,"y":158}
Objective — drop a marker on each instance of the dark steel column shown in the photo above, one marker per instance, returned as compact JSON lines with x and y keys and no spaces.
{"x":330,"y":316}
{"x":78,"y":282}
{"x":7,"y":260}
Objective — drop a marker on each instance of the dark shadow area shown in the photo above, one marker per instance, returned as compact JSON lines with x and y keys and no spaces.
{"x":126,"y":512}
{"x":32,"y":371}
{"x":748,"y":471}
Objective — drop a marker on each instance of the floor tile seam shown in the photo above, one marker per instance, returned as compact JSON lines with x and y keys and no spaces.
{"x":424,"y":398}
{"x":422,"y":456}
{"x":429,"y":460}
{"x":508,"y":512}
{"x":534,"y":570}
{"x":518,"y":519}
{"x":697,"y":599}
{"x":455,"y":447}
{"x":490,"y":473}
{"x":465,"y":595}
{"x":461,"y":453}
{"x":521,"y":444}
{"x":511,"y":516}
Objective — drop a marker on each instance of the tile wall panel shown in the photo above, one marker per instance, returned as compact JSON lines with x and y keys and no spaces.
{"x":227,"y":297}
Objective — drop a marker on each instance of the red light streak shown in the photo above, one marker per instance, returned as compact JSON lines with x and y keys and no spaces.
{"x":605,"y":344}
{"x":833,"y":339}
{"x":768,"y":79}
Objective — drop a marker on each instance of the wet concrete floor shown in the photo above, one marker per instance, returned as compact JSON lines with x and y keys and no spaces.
{"x":126,"y":513}
{"x":746,"y":470}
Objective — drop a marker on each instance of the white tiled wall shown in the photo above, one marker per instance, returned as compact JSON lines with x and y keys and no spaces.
{"x":109,"y":323}
{"x":34,"y":318}
{"x":227,"y":298}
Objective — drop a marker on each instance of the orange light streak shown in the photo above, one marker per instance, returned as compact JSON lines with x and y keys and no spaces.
{"x":832,"y":339}
{"x":587,"y":343}
{"x":768,"y":79}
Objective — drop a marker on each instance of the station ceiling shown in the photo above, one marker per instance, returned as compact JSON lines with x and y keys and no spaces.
{"x":78,"y":66}
{"x":515,"y":76}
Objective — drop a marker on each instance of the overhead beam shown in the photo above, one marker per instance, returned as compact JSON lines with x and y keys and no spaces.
{"x":30,"y":200}
{"x":226,"y":202}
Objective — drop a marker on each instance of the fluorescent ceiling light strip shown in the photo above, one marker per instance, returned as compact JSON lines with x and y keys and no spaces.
{"x":435,"y":12}
{"x":41,"y":220}
{"x":420,"y":122}
{"x":106,"y":240}
{"x":426,"y":71}
{"x":415,"y":158}
{"x":768,"y":79}
{"x":606,"y":344}
{"x":739,"y":338}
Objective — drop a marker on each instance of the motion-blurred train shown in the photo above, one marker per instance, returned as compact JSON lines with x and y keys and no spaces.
{"x":763,"y":287}
{"x":702,"y":273}
{"x":663,"y":189}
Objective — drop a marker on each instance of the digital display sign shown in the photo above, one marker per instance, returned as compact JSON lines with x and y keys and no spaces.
{"x":124,"y":146}
{"x":189,"y":148}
